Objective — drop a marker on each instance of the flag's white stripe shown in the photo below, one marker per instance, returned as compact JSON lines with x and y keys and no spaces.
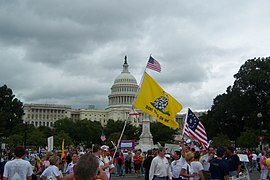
{"x":202,"y":130}
{"x":154,"y":68}
{"x":202,"y":136}
{"x":199,"y":137}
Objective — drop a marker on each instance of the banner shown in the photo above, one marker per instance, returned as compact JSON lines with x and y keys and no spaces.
{"x":50,"y":143}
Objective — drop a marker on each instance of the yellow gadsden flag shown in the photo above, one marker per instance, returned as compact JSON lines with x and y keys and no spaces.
{"x":153,"y":100}
{"x":63,"y":149}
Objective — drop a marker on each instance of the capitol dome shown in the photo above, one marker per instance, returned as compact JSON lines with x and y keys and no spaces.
{"x":124,"y":89}
{"x":125,"y":78}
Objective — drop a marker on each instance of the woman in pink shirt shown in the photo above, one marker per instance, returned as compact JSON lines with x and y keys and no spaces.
{"x":264,"y":168}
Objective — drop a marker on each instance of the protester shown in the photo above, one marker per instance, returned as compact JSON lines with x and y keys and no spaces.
{"x":104,"y":165}
{"x":52,"y":171}
{"x":128,"y":160}
{"x":147,"y":163}
{"x":44,"y":163}
{"x":264,"y":168}
{"x":137,"y":159}
{"x":176,"y":165}
{"x":205,"y":161}
{"x":18,"y":168}
{"x":119,"y":164}
{"x":142,"y":159}
{"x":160,"y":168}
{"x":197,"y":167}
{"x":70,"y":166}
{"x":87,"y":168}
{"x":3,"y":163}
{"x":63,"y":165}
{"x":218,"y":166}
{"x":234,"y":164}
{"x":106,"y":158}
{"x":254,"y":160}
{"x":109,"y":157}
{"x":187,"y":171}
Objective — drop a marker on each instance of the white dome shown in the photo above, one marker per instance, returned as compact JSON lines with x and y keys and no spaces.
{"x":124,"y":88}
{"x":125,"y":78}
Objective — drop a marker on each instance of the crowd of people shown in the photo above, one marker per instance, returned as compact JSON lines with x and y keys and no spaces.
{"x":155,"y":164}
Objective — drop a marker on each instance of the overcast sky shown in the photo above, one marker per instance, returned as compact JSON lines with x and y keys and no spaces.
{"x":69,"y":52}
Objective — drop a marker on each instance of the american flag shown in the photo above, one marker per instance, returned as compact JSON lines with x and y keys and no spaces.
{"x":103,"y":137}
{"x":194,"y":128}
{"x":153,"y":64}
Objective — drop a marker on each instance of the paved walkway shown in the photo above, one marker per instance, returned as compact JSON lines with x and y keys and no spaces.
{"x":127,"y":177}
{"x":255,"y":175}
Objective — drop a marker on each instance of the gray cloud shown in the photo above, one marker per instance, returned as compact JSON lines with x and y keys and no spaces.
{"x":70,"y":52}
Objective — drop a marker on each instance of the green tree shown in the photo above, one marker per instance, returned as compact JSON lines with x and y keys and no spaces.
{"x":221,"y":140}
{"x":238,"y":108}
{"x":248,"y":139}
{"x":15,"y":140}
{"x":162,"y":134}
{"x":11,"y":111}
{"x":87,"y":132}
{"x":47,"y":131}
{"x":58,"y":139}
{"x":253,"y":84}
{"x":36,"y":138}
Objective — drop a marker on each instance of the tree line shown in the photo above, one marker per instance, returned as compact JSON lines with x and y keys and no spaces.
{"x":242,"y":113}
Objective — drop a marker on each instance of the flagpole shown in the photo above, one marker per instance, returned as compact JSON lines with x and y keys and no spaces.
{"x":119,"y":140}
{"x":184,"y":126}
{"x":142,"y":78}
{"x":140,"y":85}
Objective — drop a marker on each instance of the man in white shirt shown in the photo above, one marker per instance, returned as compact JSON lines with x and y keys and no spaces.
{"x":104,"y":164}
{"x":18,"y":168}
{"x":205,"y":160}
{"x":254,"y":161}
{"x":160,"y":168}
{"x":52,"y":172}
{"x":177,"y":164}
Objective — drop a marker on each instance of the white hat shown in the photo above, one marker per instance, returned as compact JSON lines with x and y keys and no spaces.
{"x":105,"y":148}
{"x":167,"y":156}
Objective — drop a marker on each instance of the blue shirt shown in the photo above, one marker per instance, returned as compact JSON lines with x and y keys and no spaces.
{"x":218,"y":169}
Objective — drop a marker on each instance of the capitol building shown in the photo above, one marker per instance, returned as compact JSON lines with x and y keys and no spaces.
{"x":123,"y":93}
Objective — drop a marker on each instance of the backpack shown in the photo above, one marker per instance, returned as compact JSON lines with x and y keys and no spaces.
{"x":120,"y":160}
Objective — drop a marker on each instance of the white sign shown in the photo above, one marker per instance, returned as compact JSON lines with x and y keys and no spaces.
{"x":243,"y":157}
{"x":50,"y":143}
{"x":126,"y":144}
{"x":3,"y":146}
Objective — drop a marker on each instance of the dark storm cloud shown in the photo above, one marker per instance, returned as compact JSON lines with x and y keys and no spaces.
{"x":70,"y":52}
